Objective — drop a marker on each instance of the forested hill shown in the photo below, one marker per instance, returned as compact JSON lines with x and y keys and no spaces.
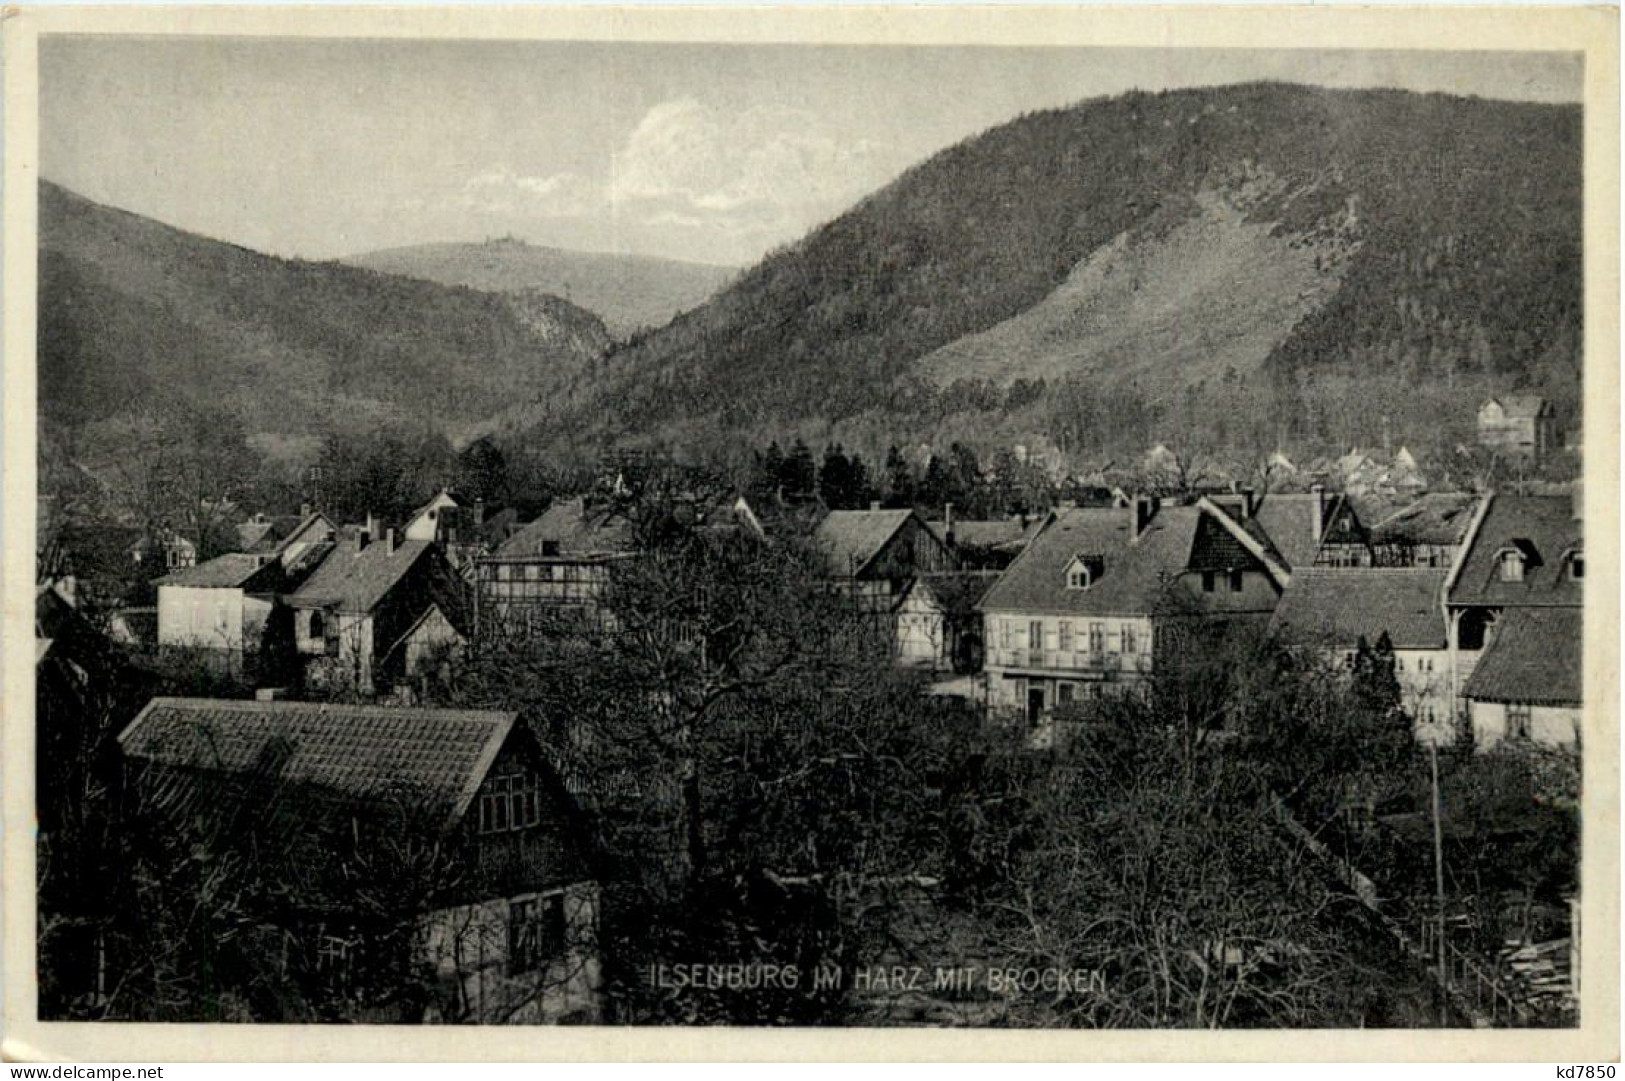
{"x":1271,"y":236}
{"x":629,"y":292}
{"x":135,"y":314}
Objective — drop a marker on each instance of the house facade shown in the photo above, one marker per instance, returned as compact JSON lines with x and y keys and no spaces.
{"x":1334,"y":609}
{"x":561,"y":564}
{"x":938,"y":626}
{"x":1083,"y":610}
{"x":1513,"y":611}
{"x":883,"y":562}
{"x":374,"y":611}
{"x":223,"y":606}
{"x":1314,"y":528}
{"x":501,"y":924}
{"x":1527,"y":685}
{"x":1425,"y":533}
{"x":1518,"y":425}
{"x":874,"y":555}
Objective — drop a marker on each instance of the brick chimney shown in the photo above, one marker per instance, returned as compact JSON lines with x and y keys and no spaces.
{"x":305,"y":510}
{"x":874,"y":504}
{"x":389,"y":541}
{"x":1249,"y":502}
{"x":1317,"y":516}
{"x":948,"y":530}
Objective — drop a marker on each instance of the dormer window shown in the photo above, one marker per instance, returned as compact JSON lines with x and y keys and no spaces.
{"x":1575,"y":560}
{"x":1084,"y":571}
{"x":1516,"y":559}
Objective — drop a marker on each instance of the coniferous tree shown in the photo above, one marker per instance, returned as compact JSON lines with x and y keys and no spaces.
{"x":899,"y":478}
{"x":800,"y":475}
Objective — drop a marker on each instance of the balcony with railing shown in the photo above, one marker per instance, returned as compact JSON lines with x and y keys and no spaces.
{"x":1093,"y":662}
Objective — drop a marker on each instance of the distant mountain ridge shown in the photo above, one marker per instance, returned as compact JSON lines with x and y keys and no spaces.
{"x":133,"y":312}
{"x":629,"y":292}
{"x":1278,"y":237}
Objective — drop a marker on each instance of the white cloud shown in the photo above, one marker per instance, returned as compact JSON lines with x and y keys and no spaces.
{"x":759,"y":170}
{"x":501,"y":190}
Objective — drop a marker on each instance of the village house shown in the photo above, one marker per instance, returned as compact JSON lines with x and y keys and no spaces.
{"x":163,"y":549}
{"x":1518,"y":425}
{"x":1513,"y":604}
{"x":374,"y":613}
{"x":1084,"y":608}
{"x":938,"y":625}
{"x":223,"y":608}
{"x":1314,"y":528}
{"x":1527,"y":684}
{"x":306,"y":542}
{"x":875,"y":558}
{"x":462,"y":528}
{"x":1333,"y":609}
{"x":1425,"y":533}
{"x":560,"y":563}
{"x":499,"y":926}
{"x":264,"y":533}
{"x":987,"y":545}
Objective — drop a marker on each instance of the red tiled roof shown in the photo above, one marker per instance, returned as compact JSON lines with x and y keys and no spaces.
{"x":1534,"y":656}
{"x":436,"y":758}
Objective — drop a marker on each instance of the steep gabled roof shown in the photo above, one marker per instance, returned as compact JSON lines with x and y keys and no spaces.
{"x":1337,"y":606}
{"x":231,"y":571}
{"x":353,"y":581}
{"x":1534,"y":656}
{"x":1521,"y":406}
{"x":1437,"y":518}
{"x":850,"y":539}
{"x":315,"y":521}
{"x":1136,"y":572}
{"x":436,"y":758}
{"x":1542,"y":524}
{"x":1288,"y":520}
{"x":575,"y":528}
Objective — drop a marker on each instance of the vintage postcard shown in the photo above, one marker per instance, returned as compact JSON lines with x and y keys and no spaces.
{"x":1011,"y":533}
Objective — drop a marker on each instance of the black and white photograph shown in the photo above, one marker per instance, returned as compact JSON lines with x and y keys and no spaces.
{"x":789,"y":534}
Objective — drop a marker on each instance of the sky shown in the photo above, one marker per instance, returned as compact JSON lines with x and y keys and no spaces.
{"x":711,"y":153}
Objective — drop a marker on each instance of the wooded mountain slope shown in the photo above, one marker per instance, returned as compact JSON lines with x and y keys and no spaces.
{"x":134,"y":313}
{"x":629,"y":292}
{"x":1264,"y":231}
